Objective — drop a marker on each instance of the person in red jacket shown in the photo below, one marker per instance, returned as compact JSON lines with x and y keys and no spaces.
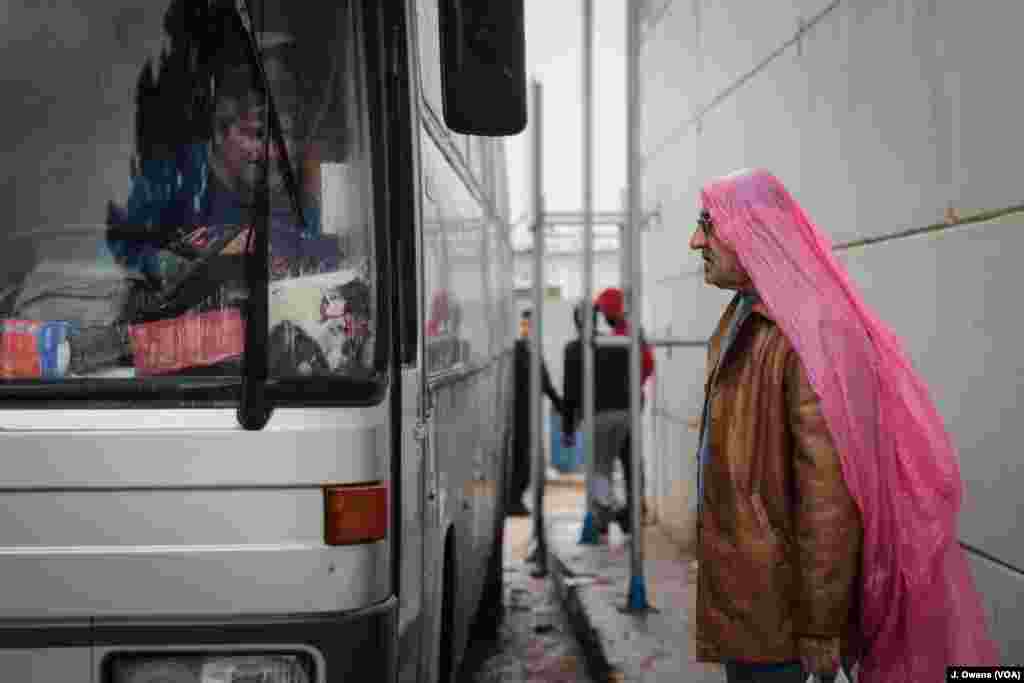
{"x":612,"y":304}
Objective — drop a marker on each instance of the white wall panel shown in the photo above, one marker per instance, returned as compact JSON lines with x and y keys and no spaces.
{"x":881,"y":116}
{"x":1002,"y":589}
{"x":737,"y":35}
{"x":857,"y":117}
{"x":886,"y":132}
{"x":951,"y":298}
{"x":673,"y":88}
{"x":981,"y":66}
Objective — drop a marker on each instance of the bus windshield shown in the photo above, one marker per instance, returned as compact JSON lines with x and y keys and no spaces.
{"x":146,"y":145}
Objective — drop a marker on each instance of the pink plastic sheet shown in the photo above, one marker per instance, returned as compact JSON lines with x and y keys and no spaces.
{"x":920,"y":610}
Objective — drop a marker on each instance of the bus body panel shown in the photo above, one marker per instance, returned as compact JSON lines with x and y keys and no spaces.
{"x":297,"y":448}
{"x":413,"y":505}
{"x":179,"y":521}
{"x":64,"y":664}
{"x":468,"y":359}
{"x":164,"y":531}
{"x":191,"y":580}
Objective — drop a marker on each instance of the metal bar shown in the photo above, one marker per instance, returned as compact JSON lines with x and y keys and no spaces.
{"x":655,"y":473}
{"x":610,"y":341}
{"x":604,"y":340}
{"x":637,"y":584}
{"x":587,"y":351}
{"x":536,"y":342}
{"x":689,"y":343}
{"x":579,"y":218}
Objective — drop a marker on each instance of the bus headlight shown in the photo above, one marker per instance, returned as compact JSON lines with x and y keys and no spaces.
{"x":210,"y":669}
{"x":253,"y":669}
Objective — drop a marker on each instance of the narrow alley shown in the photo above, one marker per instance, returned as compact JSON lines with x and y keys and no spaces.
{"x":536,"y":642}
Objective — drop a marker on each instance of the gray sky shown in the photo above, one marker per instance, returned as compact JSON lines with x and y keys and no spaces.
{"x":554,"y":54}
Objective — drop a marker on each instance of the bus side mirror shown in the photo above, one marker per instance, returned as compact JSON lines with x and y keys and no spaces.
{"x":483,"y":66}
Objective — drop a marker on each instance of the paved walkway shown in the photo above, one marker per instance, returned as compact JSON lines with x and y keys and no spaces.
{"x":593,"y":582}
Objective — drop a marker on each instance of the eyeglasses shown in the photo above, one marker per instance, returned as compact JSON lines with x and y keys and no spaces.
{"x":705,"y":223}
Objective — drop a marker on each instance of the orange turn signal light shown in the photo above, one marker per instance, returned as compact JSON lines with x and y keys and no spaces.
{"x":356,"y":513}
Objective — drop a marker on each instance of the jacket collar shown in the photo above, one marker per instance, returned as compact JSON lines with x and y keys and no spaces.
{"x":717,"y":359}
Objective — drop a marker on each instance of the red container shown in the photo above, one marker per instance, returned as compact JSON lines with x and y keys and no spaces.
{"x":188,"y":341}
{"x":34,"y":349}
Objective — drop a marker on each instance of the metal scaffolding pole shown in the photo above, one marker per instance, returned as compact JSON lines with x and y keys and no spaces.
{"x":589,"y":533}
{"x":540,"y":552}
{"x":637,"y":599}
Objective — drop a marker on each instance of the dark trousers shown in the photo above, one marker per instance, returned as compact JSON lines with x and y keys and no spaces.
{"x":740,"y":673}
{"x":519,"y":480}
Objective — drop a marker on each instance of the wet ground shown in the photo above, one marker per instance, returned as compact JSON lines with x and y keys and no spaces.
{"x":535,"y":643}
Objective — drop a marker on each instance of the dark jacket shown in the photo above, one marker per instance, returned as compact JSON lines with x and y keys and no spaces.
{"x":611,"y":380}
{"x":522,"y":380}
{"x":779,"y":534}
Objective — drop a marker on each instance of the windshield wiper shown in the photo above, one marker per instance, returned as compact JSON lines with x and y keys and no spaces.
{"x":254,"y":408}
{"x":276,"y":130}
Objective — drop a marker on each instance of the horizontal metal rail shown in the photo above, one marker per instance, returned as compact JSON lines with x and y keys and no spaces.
{"x":670,"y":342}
{"x":606,"y":340}
{"x":578,"y":218}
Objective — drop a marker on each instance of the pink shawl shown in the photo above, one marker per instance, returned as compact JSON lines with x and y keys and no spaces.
{"x":920,"y":610}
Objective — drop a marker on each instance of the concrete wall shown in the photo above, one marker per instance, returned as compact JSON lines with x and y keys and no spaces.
{"x":879,"y":117}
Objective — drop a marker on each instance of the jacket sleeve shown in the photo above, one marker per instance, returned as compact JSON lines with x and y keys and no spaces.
{"x":571,"y":388}
{"x":827,"y":524}
{"x":549,"y":388}
{"x":647,"y":366}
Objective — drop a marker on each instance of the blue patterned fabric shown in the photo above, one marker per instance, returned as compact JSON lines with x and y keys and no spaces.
{"x":176,"y":194}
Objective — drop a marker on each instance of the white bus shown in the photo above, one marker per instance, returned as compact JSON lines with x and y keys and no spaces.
{"x":255,"y":337}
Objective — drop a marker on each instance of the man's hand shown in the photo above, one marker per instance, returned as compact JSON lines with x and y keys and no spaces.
{"x":237,"y":246}
{"x":819,"y":656}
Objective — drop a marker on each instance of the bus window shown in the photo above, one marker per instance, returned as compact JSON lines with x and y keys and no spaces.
{"x":144,"y":147}
{"x":322,"y":318}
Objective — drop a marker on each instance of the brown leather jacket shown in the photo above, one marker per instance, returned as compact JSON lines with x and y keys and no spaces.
{"x":779,"y":535}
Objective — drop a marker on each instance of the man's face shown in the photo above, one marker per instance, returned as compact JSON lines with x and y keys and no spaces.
{"x":721,"y":264}
{"x":242,"y":149}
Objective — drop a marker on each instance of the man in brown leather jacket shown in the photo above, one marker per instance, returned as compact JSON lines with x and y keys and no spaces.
{"x":779,"y":534}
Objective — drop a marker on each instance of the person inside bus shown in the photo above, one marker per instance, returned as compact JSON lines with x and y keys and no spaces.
{"x":521,"y":437}
{"x":208,"y":146}
{"x":196,"y":191}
